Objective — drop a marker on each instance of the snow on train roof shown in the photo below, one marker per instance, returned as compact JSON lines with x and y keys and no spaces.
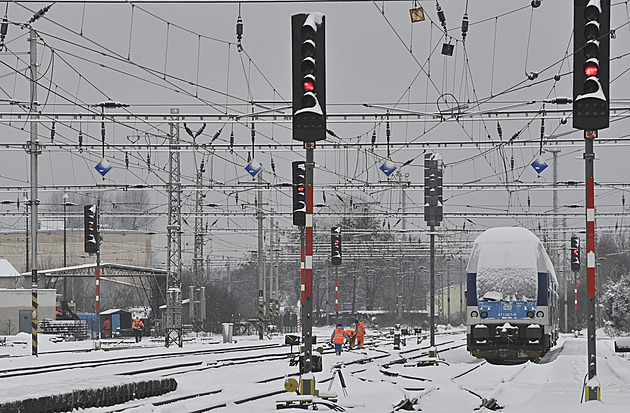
{"x":507,"y":261}
{"x":512,"y":247}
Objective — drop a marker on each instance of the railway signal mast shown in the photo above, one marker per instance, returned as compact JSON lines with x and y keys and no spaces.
{"x":591,"y":104}
{"x":433,"y":216}
{"x":308,"y":66}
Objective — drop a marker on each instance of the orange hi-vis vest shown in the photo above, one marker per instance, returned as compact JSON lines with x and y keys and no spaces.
{"x":339,"y":335}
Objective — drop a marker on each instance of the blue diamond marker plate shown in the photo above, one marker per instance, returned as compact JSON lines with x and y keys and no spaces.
{"x":103,"y":167}
{"x":388,"y":167}
{"x":253,"y":167}
{"x":539,"y":165}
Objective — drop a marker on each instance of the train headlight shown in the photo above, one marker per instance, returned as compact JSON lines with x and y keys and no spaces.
{"x":530,"y":314}
{"x":484,"y":314}
{"x":540,"y":314}
{"x":474,"y":314}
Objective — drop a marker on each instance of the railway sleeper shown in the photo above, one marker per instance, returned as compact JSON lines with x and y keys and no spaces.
{"x":94,"y":397}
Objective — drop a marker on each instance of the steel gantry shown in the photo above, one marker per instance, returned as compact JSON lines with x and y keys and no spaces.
{"x":173,"y":329}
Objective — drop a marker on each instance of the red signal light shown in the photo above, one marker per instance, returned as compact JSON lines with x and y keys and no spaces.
{"x":591,"y":70}
{"x":300,"y":188}
{"x":309,"y":86}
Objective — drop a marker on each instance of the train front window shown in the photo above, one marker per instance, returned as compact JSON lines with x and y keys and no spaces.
{"x":507,"y":284}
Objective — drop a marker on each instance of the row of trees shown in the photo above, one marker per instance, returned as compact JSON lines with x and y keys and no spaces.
{"x":614,"y":278}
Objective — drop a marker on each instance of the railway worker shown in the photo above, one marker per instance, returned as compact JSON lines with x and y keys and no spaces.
{"x":359,"y":328}
{"x":351,"y":336}
{"x":137,"y":327}
{"x":107,"y":328}
{"x":338,"y":337}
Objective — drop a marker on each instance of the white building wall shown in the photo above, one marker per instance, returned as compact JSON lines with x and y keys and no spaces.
{"x":12,"y":301}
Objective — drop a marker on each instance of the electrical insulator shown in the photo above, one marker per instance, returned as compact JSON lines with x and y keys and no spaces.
{"x":4,"y":28}
{"x":216,"y":135}
{"x":239,"y":33}
{"x":464,"y":27}
{"x":232,"y":142}
{"x":52,"y":132}
{"x":441,"y":15}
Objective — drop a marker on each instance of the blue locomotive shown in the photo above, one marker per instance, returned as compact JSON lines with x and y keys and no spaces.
{"x":511,"y":297}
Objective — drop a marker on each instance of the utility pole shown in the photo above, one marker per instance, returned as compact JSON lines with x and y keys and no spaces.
{"x":34,"y":201}
{"x":271,"y":270}
{"x":173,"y":315}
{"x":565,"y":275}
{"x":555,"y":252}
{"x":98,"y":274}
{"x":275,"y":265}
{"x":327,"y":294}
{"x":261,"y":260}
{"x":197,"y":313}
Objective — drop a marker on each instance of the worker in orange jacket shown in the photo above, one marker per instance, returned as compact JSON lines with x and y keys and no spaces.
{"x":351,"y":337}
{"x":359,"y":327}
{"x":338,"y":337}
{"x":107,"y":328}
{"x":137,"y":327}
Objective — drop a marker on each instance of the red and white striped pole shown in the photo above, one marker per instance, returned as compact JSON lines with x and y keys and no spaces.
{"x":307,"y":382}
{"x":576,"y":295}
{"x":336,"y":295}
{"x":302,"y":268}
{"x":592,"y":387}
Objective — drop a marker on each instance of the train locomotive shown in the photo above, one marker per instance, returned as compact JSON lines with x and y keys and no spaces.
{"x":511,"y":298}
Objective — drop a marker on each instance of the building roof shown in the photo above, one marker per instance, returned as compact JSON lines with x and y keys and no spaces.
{"x":7,"y":270}
{"x":115,"y":311}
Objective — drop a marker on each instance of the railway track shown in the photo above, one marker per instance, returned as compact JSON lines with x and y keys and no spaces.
{"x":49,"y":368}
{"x":164,"y":364}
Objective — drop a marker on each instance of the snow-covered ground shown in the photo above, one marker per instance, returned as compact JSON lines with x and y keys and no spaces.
{"x":553,"y":385}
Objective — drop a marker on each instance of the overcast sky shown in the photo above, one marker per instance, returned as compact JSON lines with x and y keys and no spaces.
{"x":158,"y":56}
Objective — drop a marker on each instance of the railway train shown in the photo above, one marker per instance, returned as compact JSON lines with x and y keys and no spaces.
{"x":512,"y":306}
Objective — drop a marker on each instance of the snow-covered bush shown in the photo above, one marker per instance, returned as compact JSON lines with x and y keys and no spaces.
{"x":616,"y":301}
